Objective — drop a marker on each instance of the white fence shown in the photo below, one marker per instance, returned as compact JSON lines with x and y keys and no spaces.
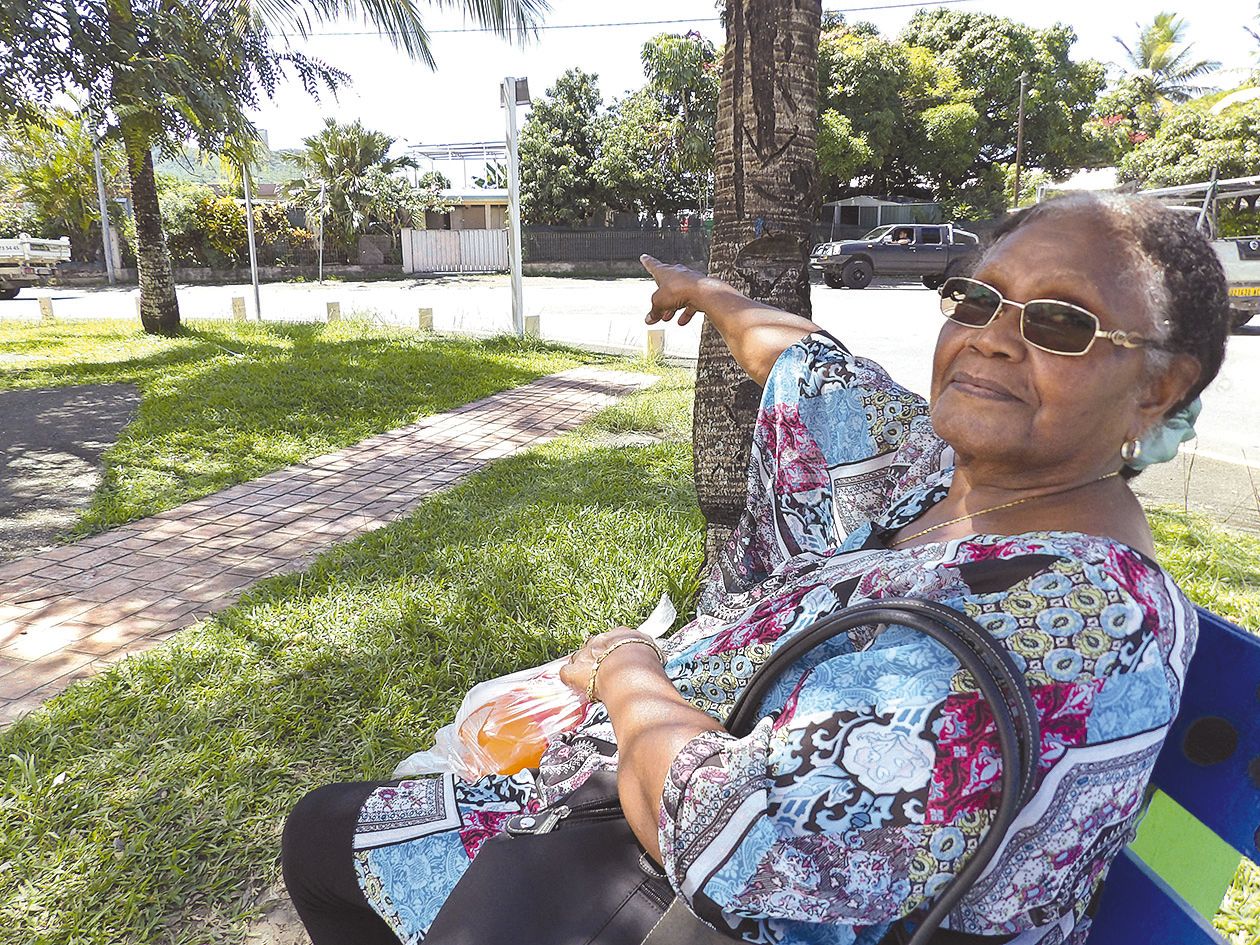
{"x":454,"y":250}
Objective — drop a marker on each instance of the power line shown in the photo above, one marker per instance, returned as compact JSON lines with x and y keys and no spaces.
{"x":593,"y":26}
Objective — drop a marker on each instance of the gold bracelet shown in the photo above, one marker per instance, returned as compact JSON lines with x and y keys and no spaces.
{"x":647,"y":641}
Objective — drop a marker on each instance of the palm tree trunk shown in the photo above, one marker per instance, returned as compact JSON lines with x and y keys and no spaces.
{"x":159,"y":309}
{"x":765,"y":189}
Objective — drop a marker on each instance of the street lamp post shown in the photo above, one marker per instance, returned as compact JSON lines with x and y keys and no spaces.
{"x":514,"y":92}
{"x":323,"y":191}
{"x":1019,"y":135}
{"x":106,"y":240}
{"x":253,"y":253}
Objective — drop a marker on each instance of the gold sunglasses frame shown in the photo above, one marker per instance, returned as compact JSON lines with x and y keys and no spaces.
{"x":1122,"y":339}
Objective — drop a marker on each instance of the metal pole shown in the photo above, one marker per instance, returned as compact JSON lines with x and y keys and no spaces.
{"x":253,"y":255}
{"x":514,"y":207}
{"x":106,"y":242}
{"x":323,"y":190}
{"x":1019,"y":135}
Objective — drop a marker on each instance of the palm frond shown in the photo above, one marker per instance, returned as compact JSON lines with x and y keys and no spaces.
{"x":401,"y":21}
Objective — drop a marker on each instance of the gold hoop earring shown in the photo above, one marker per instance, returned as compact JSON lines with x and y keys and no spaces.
{"x":1131,"y":450}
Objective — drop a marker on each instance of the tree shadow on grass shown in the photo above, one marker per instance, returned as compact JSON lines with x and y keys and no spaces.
{"x":151,"y":797}
{"x":229,"y":404}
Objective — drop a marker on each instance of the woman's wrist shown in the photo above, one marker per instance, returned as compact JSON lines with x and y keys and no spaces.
{"x":718,"y":298}
{"x":624,"y":668}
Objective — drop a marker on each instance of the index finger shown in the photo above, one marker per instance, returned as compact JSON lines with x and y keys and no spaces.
{"x":650,"y":263}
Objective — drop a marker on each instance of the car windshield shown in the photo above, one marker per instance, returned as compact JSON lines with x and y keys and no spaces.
{"x":878,"y":233}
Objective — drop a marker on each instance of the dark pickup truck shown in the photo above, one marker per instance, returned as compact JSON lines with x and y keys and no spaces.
{"x":899,"y":249}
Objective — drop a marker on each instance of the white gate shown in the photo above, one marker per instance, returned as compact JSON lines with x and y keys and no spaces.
{"x":455,"y":250}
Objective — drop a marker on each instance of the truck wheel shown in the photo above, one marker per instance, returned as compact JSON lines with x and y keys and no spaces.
{"x":8,"y":293}
{"x":933,"y":281}
{"x":858,"y":274}
{"x":1240,"y":317}
{"x":833,"y":280}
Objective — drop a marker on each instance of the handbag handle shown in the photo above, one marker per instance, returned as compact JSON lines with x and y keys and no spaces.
{"x":999,"y":680}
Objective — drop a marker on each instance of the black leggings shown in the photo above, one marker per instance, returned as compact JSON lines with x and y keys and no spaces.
{"x":317,"y":855}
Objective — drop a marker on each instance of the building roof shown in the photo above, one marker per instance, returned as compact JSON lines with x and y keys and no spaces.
{"x":869,"y":200}
{"x":491,"y":195}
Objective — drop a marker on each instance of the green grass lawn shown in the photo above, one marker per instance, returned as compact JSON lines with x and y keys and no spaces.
{"x":226,"y":402}
{"x":145,"y":804}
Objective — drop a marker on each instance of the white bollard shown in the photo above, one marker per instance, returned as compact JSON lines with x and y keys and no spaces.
{"x":532,"y":329}
{"x":139,"y":307}
{"x":334,"y":312}
{"x":655,"y":347}
{"x":45,"y":309}
{"x":425,"y":321}
{"x":238,"y":308}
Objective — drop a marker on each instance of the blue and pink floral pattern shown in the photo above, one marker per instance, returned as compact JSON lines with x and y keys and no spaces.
{"x":872,"y":776}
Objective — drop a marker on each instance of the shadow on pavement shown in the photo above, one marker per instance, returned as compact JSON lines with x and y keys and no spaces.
{"x":51,"y":443}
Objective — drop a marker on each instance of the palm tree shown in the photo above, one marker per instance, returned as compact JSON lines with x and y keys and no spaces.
{"x":1160,"y":60}
{"x":343,"y":166}
{"x":764,"y":193}
{"x":1255,"y":34}
{"x":163,"y":71}
{"x":47,"y":165}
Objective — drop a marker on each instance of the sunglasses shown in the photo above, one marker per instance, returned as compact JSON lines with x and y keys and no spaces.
{"x":1048,"y":324}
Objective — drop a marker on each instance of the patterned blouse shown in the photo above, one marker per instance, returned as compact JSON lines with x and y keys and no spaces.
{"x":874,"y":772}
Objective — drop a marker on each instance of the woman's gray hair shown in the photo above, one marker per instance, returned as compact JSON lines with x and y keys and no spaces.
{"x":1175,"y":270}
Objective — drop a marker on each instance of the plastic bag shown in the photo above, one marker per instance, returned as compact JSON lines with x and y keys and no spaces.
{"x":503,"y":725}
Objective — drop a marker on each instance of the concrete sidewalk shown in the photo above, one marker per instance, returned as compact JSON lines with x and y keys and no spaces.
{"x":66,"y":613}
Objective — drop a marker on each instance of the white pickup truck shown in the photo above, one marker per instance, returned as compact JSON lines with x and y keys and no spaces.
{"x":26,"y":261}
{"x":1241,"y":259}
{"x":1239,"y":255}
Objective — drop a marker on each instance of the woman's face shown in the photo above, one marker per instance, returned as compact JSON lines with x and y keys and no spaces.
{"x":1043,"y":417}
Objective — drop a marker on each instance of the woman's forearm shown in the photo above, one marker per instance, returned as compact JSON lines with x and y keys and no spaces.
{"x":653,"y":723}
{"x":755,"y":333}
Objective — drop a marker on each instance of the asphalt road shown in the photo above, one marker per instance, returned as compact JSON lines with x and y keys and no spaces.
{"x":895,"y":324}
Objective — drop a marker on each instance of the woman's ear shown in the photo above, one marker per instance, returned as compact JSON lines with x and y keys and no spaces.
{"x":1168,"y":388}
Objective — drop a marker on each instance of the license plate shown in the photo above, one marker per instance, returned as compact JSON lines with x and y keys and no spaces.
{"x":1245,"y":290}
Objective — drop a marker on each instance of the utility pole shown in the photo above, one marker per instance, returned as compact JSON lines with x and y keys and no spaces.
{"x":253,"y":254}
{"x":323,"y":195}
{"x":106,"y":239}
{"x":514,"y":92}
{"x":1019,"y":135}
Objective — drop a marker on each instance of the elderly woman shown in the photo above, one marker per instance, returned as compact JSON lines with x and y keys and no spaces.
{"x":1088,"y":326}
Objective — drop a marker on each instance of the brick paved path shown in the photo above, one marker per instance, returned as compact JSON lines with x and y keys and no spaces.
{"x":68,"y":612}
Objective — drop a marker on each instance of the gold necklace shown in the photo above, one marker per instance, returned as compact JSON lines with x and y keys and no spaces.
{"x":998,"y":508}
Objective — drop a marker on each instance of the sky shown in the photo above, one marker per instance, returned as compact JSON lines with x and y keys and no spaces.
{"x":459,"y":101}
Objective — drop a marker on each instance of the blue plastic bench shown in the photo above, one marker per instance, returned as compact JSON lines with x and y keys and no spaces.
{"x":1204,"y":816}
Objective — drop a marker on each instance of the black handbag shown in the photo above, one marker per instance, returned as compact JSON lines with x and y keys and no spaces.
{"x":574,"y":873}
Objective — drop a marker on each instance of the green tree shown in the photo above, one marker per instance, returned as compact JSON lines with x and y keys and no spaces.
{"x":46,"y":165}
{"x":1162,"y":62}
{"x":684,"y":78}
{"x":989,"y":53}
{"x":636,"y":168}
{"x":348,"y":167}
{"x":183,"y":218}
{"x":1124,"y":117}
{"x":843,"y":152}
{"x":161,"y":72}
{"x":559,"y":146}
{"x":656,"y":150}
{"x":893,"y":115}
{"x":1192,"y":142}
{"x":396,"y":202}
